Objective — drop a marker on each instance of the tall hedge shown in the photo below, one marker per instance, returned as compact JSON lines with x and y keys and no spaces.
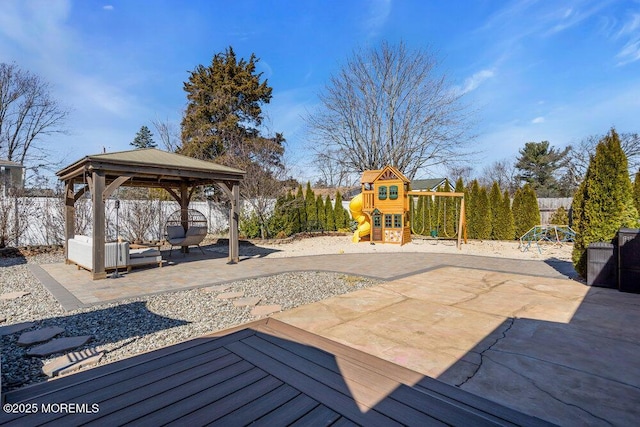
{"x":506,"y":227}
{"x":338,"y":211}
{"x":322,"y":216}
{"x":330,"y":214}
{"x":495,"y":201}
{"x":310,"y":206}
{"x":604,"y":200}
{"x":484,"y":215}
{"x":636,"y":191}
{"x":526,"y":213}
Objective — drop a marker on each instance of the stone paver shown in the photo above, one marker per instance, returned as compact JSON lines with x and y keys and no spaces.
{"x":13,"y":295}
{"x":39,"y":335}
{"x":265,"y":310}
{"x":246,"y":301}
{"x":512,"y":338}
{"x":230,"y":295}
{"x":72,"y":362}
{"x":12,"y":329}
{"x":58,"y":345}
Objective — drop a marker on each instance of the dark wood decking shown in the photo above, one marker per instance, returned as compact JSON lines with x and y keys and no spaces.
{"x":267,"y":373}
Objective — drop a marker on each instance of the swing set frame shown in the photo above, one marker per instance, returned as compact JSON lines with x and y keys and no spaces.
{"x":462,"y":223}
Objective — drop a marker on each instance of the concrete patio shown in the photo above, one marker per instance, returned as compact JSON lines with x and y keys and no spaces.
{"x":517,"y":332}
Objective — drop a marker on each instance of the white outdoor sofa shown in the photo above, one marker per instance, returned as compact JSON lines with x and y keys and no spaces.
{"x":80,"y":253}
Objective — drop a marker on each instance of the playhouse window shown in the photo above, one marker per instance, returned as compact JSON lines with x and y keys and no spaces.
{"x":397,"y":221}
{"x":377,"y":221}
{"x":382,"y":192}
{"x":393,"y":192}
{"x":388,"y":221}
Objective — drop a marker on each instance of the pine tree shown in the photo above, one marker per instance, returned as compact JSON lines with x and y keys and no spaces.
{"x":330,"y":214}
{"x":495,"y":201}
{"x":636,"y":191}
{"x":338,"y":211}
{"x":310,"y":207}
{"x":506,"y":227}
{"x":484,"y":215}
{"x":322,"y":216}
{"x":603,"y":202}
{"x":144,"y":139}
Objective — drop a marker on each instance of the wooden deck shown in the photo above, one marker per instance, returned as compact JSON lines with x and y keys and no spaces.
{"x":267,"y":373}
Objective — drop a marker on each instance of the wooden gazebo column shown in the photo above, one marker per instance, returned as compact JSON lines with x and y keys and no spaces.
{"x":232,"y":190}
{"x":97,"y":194}
{"x":69,"y":215}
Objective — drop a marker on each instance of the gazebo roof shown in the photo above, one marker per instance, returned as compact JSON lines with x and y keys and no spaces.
{"x":151,"y":167}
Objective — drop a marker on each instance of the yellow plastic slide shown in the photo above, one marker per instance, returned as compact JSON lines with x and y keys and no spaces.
{"x":364,"y":226}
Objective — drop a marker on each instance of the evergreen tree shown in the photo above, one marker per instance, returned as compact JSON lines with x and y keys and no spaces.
{"x":538,"y":165}
{"x":484,"y":215}
{"x":526,"y":213}
{"x":603,"y":202}
{"x":506,"y":228}
{"x":330,"y":214}
{"x":495,"y":201}
{"x":302,"y":209}
{"x":473,"y":208}
{"x":310,"y":206}
{"x":636,"y":191}
{"x":279,"y":219}
{"x":417,"y":220}
{"x":339,"y":212}
{"x":144,"y":139}
{"x":560,"y":217}
{"x":322,"y":216}
{"x":293,"y":215}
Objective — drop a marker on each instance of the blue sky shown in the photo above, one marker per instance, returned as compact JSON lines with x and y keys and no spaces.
{"x":532,"y":70}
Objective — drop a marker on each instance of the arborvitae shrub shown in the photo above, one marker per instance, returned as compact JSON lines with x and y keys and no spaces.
{"x":506,"y":228}
{"x":495,"y":201}
{"x":338,"y":211}
{"x":302,"y":209}
{"x":484,"y":215}
{"x":310,"y":207}
{"x":560,"y":217}
{"x":636,"y":191}
{"x":330,"y":214}
{"x":473,"y":196}
{"x":604,"y":200}
{"x":322,"y":216}
{"x":526,"y":213}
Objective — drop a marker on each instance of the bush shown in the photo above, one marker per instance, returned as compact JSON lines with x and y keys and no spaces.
{"x":249,"y":226}
{"x":604,"y":200}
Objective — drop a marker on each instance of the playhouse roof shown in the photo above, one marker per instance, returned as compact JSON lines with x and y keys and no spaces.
{"x":373,"y":175}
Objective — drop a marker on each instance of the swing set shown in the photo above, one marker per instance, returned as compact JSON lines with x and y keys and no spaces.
{"x":460,"y":232}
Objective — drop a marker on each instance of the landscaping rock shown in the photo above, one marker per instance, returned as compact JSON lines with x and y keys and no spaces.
{"x":229,"y":295}
{"x":217,"y":288}
{"x":59,"y":345}
{"x":72,"y":362}
{"x":13,"y":295}
{"x":246,"y":301}
{"x":11,"y":329}
{"x":39,"y":335}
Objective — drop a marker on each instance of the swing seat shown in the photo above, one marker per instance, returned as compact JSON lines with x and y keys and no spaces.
{"x":176,"y":236}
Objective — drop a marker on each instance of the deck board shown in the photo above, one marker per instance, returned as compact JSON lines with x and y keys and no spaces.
{"x":265,"y":372}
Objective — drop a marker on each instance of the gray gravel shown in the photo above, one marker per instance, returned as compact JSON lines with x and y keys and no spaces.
{"x":138,"y":325}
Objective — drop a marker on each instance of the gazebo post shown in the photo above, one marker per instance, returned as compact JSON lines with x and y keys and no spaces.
{"x":98,"y":268}
{"x":69,"y":215}
{"x":184,"y":211}
{"x":234,"y":219}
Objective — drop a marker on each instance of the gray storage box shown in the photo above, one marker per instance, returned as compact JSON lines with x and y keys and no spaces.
{"x":629,"y":260}
{"x":601,"y":265}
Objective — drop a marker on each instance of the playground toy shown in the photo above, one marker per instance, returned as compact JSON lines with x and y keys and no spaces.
{"x":382,"y":209}
{"x":555,"y":234}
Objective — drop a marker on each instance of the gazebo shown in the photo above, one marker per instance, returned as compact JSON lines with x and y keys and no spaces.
{"x":102,"y":174}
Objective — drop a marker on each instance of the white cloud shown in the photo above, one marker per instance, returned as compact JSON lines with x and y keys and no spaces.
{"x":630,"y":52}
{"x":473,"y":82}
{"x":107,"y":7}
{"x":537,"y":120}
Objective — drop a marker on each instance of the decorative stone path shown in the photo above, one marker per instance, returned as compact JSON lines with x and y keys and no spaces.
{"x":11,"y":329}
{"x":246,"y":301}
{"x":39,"y":335}
{"x":72,"y":362}
{"x":218,"y":288}
{"x":59,"y":345}
{"x":230,"y":295}
{"x":13,"y":295}
{"x":265,"y":310}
